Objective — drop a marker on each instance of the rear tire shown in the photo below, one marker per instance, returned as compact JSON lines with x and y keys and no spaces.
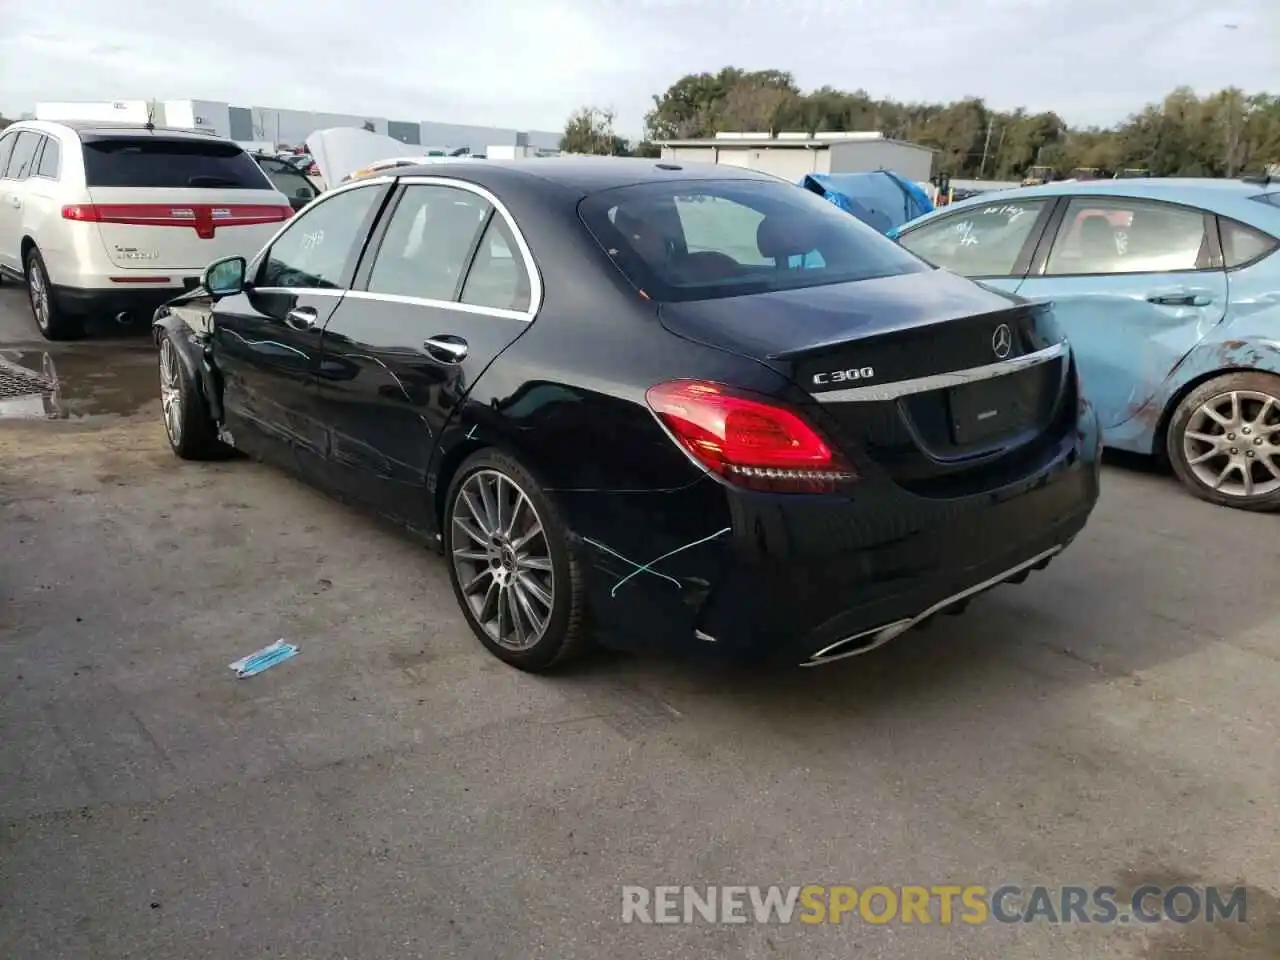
{"x":1223,"y":441}
{"x":513,"y":570}
{"x":52,"y":322}
{"x":187,"y":423}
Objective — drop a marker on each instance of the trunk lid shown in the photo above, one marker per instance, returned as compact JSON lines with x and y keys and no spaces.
{"x":943,"y":383}
{"x":176,"y":202}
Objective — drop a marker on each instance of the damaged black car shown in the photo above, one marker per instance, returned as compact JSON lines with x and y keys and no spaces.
{"x":681,"y":408}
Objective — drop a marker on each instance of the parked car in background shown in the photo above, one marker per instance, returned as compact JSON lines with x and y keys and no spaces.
{"x":1169,"y":291}
{"x":289,"y":179}
{"x":687,"y":407}
{"x":391,"y":163}
{"x":115,"y":219}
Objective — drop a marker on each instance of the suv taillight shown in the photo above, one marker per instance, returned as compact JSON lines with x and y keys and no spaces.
{"x":752,"y":442}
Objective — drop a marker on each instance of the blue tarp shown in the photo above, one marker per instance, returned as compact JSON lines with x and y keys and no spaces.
{"x":880,"y":199}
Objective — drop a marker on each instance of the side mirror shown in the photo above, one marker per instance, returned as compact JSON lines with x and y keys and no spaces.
{"x":225,"y":278}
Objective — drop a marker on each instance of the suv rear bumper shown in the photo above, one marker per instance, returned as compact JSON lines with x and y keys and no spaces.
{"x":141,"y":301}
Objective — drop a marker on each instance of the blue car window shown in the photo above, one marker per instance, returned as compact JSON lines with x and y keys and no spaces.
{"x":1101,"y":235}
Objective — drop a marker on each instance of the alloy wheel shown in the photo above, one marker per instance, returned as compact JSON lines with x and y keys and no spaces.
{"x":1232,"y":444}
{"x":171,"y":391}
{"x":502,"y":560}
{"x":38,"y":290}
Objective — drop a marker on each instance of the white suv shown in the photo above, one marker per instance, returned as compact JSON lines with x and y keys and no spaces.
{"x":108,"y":219}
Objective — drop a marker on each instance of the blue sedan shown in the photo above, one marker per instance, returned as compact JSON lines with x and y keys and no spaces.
{"x":1169,"y":290}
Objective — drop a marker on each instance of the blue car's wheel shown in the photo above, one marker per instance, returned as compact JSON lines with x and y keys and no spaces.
{"x":1224,"y":441}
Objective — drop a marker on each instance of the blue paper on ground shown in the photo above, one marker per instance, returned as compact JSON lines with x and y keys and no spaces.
{"x":260,"y":660}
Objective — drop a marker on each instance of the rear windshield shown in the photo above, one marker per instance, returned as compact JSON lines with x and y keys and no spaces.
{"x":702,"y":239}
{"x":156,"y":162}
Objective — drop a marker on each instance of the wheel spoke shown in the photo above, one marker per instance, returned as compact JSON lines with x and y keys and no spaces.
{"x":490,"y":603}
{"x":479,"y":516}
{"x":1235,"y":407}
{"x":1260,"y":421}
{"x":522,"y":601}
{"x":536,"y":563}
{"x":522,"y":541}
{"x":516,"y":513}
{"x":513,"y":607}
{"x":471,"y":585}
{"x":537,"y":591}
{"x":467,"y":527}
{"x":1214,"y":415}
{"x":1207,"y":455}
{"x":471,"y":556}
{"x":1209,"y":438}
{"x":490,"y":507}
{"x":504,"y":611}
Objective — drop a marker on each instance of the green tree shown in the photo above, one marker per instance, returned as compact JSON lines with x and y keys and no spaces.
{"x":590,"y":130}
{"x":1224,"y":134}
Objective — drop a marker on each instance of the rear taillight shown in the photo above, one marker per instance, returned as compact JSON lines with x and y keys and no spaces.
{"x":204,"y":218}
{"x":751,"y":442}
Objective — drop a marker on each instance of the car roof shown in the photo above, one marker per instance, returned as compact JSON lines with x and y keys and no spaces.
{"x":1220,"y":195}
{"x":107,"y":128}
{"x":581,"y":174}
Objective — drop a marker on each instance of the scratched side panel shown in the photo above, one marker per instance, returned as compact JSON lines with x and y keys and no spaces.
{"x":1247,"y":339}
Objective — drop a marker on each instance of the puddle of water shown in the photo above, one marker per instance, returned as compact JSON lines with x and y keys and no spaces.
{"x":77,"y":384}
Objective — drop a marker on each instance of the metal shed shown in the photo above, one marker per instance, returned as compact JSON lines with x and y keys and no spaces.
{"x":794,"y":155}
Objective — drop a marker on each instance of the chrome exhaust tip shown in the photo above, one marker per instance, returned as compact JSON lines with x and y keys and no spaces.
{"x":859,"y":643}
{"x":124,"y":318}
{"x":876,"y":637}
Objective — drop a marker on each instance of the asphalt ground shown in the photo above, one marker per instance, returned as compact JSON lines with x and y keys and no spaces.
{"x":395,"y":792}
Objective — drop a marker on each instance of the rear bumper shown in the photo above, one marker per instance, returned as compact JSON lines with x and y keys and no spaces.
{"x":136,"y":299}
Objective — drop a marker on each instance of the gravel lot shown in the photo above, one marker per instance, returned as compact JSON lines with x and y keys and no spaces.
{"x":394,"y":792}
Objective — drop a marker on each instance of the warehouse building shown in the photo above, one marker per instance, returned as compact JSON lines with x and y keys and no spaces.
{"x":290,"y":128}
{"x":793,"y":155}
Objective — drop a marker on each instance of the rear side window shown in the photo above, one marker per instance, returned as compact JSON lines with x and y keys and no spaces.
{"x":1241,"y":244}
{"x":175,"y":163}
{"x":49,"y":159}
{"x":1270,"y":198}
{"x":704,"y":239}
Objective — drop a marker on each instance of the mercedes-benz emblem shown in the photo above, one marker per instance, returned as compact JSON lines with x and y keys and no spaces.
{"x":1002,"y":341}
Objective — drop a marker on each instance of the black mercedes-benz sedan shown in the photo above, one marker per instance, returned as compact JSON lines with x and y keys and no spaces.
{"x":669,"y":407}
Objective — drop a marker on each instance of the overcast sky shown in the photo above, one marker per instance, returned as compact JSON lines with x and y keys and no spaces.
{"x":528,"y":64}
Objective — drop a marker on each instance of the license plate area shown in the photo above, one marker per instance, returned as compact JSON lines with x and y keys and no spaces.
{"x":982,"y":411}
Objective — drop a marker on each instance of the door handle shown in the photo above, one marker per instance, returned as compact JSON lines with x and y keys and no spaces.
{"x":15,"y":201}
{"x":1179,"y":299}
{"x":301,"y":318}
{"x":446,"y":348}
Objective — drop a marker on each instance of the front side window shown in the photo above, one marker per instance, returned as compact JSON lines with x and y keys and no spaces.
{"x":701,"y":239}
{"x":983,"y":242}
{"x":24,"y":153}
{"x":429,"y":238}
{"x":318,"y":247}
{"x":6,"y":148}
{"x":1102,"y":235}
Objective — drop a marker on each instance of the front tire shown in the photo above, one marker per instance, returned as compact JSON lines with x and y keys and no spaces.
{"x":52,"y":322}
{"x":1224,"y":441}
{"x":513,"y":571}
{"x":191,"y":431}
